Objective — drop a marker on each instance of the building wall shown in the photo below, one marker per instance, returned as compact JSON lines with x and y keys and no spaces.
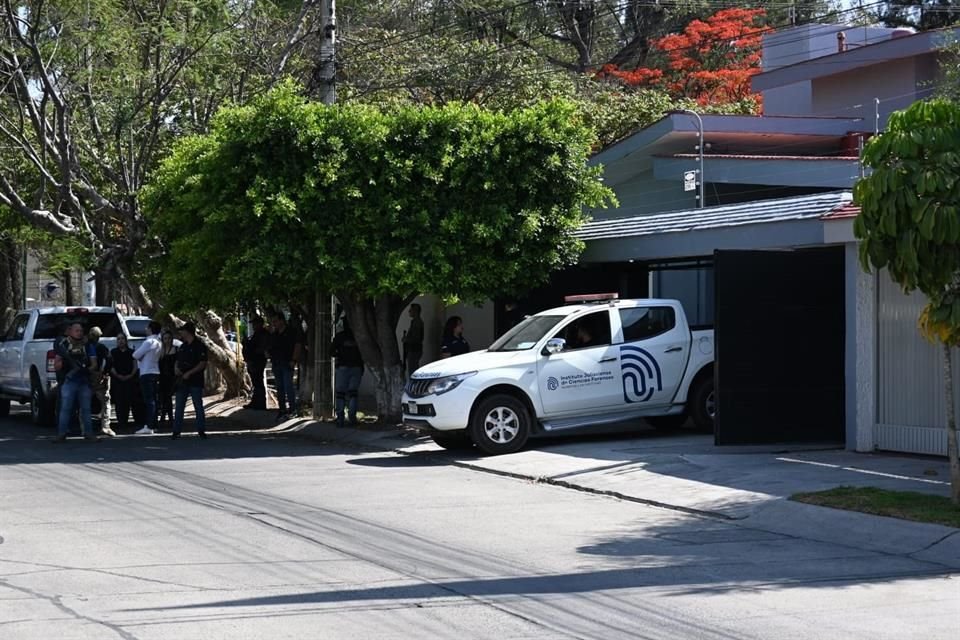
{"x":897,"y":84}
{"x":644,"y":194}
{"x":910,"y":396}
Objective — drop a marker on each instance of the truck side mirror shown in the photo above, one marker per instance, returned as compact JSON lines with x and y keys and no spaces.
{"x":554,"y":345}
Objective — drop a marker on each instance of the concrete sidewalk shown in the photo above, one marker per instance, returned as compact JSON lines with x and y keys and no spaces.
{"x":748,"y":486}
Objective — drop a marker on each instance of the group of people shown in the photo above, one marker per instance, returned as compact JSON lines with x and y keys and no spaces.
{"x":156,"y":372}
{"x":453,"y":343}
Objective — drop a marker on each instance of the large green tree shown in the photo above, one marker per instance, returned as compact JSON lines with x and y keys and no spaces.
{"x":378,"y":206}
{"x":909,"y":224}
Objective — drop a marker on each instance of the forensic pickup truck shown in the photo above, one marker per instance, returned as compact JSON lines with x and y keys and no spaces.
{"x":596,"y":362}
{"x":27,"y":371}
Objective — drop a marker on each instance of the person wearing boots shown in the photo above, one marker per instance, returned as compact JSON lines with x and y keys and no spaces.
{"x":101,"y":379}
{"x":78,"y":361}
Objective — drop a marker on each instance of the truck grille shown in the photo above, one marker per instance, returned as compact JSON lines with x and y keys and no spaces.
{"x":418,"y":388}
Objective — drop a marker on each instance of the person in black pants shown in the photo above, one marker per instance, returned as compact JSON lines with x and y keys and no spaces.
{"x":168,"y":377}
{"x":255,"y":350}
{"x":123,"y":373}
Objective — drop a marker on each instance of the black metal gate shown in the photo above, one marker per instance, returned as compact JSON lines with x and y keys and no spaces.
{"x":780,"y":326}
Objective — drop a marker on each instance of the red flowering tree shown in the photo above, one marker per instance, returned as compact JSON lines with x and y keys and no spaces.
{"x":711,"y":61}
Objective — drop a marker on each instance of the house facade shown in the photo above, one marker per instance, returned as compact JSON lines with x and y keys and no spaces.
{"x":777,"y":201}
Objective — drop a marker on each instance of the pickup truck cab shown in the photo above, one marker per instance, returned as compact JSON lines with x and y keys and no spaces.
{"x":27,"y":371}
{"x":579,"y":365}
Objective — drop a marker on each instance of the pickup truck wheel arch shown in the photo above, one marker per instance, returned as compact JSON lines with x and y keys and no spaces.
{"x":500,"y":423}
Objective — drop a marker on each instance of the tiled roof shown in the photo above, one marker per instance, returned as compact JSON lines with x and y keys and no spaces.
{"x":757,"y":212}
{"x":848,"y":210}
{"x":743,"y":156}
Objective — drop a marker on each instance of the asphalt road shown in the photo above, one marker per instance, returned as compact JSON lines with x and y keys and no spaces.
{"x":255,"y":536}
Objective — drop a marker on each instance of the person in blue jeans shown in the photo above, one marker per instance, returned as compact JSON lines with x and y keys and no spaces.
{"x":191,"y":361}
{"x":348,"y":373}
{"x":77,"y":360}
{"x":285,"y":348}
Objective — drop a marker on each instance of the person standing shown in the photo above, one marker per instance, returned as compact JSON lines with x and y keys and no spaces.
{"x":101,"y":379}
{"x":191,"y":361}
{"x":454,"y":344}
{"x":348,"y":373}
{"x":123,"y":370}
{"x":255,"y":349}
{"x":285,"y":347}
{"x":78,"y":362}
{"x":413,"y":340}
{"x":147,"y":356}
{"x":168,"y":376}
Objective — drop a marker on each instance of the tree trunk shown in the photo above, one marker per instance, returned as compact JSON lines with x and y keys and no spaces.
{"x":11,"y":283}
{"x":952,"y":451}
{"x":374,"y":324}
{"x":235,"y":378}
{"x":69,"y":295}
{"x":106,"y":291}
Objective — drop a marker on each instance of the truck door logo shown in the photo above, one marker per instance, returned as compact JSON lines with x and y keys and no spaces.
{"x":641,"y":374}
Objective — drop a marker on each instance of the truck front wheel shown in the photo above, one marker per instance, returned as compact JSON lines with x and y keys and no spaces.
{"x":453,"y":440}
{"x":500,"y":424}
{"x":703,"y":404}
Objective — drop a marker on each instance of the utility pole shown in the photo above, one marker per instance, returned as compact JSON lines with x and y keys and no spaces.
{"x":326,"y":82}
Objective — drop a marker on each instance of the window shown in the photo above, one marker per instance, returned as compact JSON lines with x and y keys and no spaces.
{"x":525,"y":335}
{"x":18,"y":328}
{"x":591,"y":330}
{"x":50,"y":326}
{"x":641,"y":323}
{"x":690,"y":282}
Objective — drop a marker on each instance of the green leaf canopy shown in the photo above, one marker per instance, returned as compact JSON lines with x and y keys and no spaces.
{"x":284,"y":195}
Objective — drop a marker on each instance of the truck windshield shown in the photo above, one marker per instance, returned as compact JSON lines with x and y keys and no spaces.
{"x":527,"y":334}
{"x":51,"y":325}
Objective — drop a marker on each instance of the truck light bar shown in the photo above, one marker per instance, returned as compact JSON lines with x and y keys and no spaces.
{"x":592,"y":297}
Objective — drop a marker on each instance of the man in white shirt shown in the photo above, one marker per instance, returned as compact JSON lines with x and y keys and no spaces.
{"x":148,"y":357}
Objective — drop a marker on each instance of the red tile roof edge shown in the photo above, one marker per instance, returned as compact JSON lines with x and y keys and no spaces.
{"x":843,"y":212}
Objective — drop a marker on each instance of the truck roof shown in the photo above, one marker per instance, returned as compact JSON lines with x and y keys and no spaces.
{"x":73,"y":310}
{"x":627,"y":303}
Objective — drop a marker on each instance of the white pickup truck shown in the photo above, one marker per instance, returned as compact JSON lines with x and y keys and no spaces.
{"x":27,"y":359}
{"x":585,"y":364}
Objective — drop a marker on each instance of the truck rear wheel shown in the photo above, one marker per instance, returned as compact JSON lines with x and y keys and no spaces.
{"x":453,"y":440}
{"x":41,"y":410}
{"x":703,"y":404}
{"x":500,"y":424}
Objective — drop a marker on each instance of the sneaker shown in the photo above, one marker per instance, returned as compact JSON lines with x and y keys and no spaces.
{"x":145,"y":431}
{"x":110,"y":433}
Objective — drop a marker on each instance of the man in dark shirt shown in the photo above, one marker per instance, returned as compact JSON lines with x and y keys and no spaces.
{"x":285,"y":347}
{"x":348,"y":372}
{"x":123,"y":373}
{"x":413,"y":340}
{"x":255,"y":349}
{"x":191,"y":361}
{"x":77,"y":362}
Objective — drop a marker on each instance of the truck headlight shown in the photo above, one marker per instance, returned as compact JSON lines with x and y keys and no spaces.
{"x":448,"y":383}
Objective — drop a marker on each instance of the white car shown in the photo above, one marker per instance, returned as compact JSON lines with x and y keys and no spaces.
{"x":569,"y":367}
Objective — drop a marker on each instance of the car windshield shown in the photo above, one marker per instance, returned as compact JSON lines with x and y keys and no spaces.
{"x":527,"y":334}
{"x":138,"y":327}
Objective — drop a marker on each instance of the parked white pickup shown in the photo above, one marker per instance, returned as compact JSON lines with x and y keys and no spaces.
{"x":570,"y":367}
{"x":26,"y":354}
